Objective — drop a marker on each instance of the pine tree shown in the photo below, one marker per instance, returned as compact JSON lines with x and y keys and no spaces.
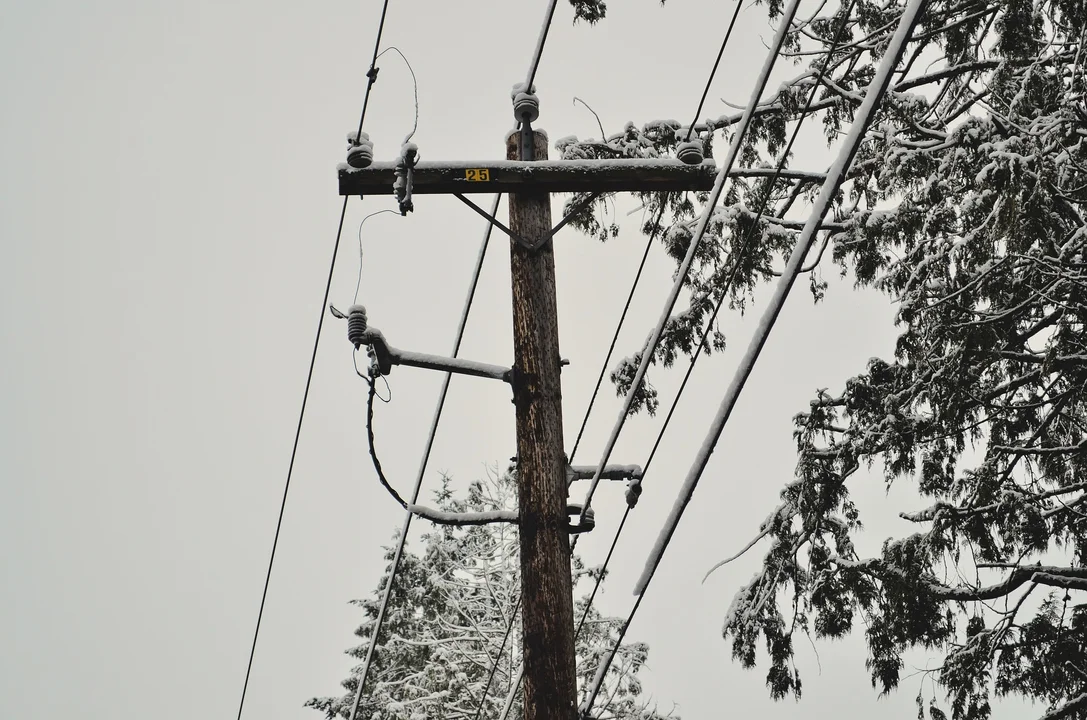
{"x":965,"y":206}
{"x":448,"y":616}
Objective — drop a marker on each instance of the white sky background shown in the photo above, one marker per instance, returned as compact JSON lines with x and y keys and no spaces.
{"x":167,"y":210}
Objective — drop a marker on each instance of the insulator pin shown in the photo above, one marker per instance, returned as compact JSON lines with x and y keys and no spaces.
{"x":526,"y":107}
{"x":690,"y":151}
{"x":356,"y":325}
{"x":360,"y":151}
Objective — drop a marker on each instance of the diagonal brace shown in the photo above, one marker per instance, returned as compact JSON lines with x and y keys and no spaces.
{"x":581,"y":205}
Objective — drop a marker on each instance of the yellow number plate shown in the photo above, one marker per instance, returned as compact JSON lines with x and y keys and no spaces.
{"x":477,"y":174}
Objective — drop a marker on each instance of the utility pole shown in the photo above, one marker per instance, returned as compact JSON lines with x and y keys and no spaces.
{"x":548,"y":657}
{"x":548,"y":612}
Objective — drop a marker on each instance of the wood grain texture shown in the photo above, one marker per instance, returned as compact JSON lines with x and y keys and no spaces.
{"x":548,"y":615}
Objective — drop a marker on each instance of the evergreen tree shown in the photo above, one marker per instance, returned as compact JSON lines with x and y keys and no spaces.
{"x":965,"y":205}
{"x":447,"y":619}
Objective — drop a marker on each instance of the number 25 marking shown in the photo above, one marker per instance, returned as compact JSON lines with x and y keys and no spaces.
{"x":477,"y":174}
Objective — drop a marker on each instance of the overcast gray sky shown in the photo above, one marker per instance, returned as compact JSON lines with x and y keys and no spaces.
{"x":167,"y":213}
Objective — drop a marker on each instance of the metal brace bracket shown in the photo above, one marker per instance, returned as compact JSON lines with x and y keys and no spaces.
{"x":517,"y":238}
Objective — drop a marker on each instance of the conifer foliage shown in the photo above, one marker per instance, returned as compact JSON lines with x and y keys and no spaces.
{"x":965,"y":206}
{"x":448,"y":616}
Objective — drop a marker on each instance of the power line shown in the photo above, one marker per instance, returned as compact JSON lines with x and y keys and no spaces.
{"x":730,"y":278}
{"x":876,"y":90}
{"x":573,"y":452}
{"x":415,"y":85}
{"x":533,"y":67}
{"x":372,"y":76}
{"x":713,"y":72}
{"x":749,"y":236}
{"x":540,"y":41}
{"x":358,"y":284}
{"x":681,"y":275}
{"x":615,"y":336}
{"x":498,"y":657}
{"x":423,"y":464}
{"x":294,"y":455}
{"x":723,"y":173}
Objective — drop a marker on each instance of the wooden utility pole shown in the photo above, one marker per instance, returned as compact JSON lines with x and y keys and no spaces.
{"x":548,"y":660}
{"x":548,"y":615}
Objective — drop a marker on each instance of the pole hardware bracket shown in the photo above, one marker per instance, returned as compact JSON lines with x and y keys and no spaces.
{"x":517,"y":238}
{"x":383,"y":355}
{"x":610,"y":472}
{"x":585,"y":523}
{"x":631,"y":473}
{"x":405,"y":170}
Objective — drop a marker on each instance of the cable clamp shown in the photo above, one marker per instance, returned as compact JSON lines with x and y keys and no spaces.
{"x":405,"y":170}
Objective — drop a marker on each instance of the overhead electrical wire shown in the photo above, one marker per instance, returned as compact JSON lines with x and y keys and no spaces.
{"x":379,"y":621}
{"x":713,"y":72}
{"x":876,"y":90}
{"x":722,"y":175}
{"x":703,"y":222}
{"x":615,"y":335}
{"x":533,"y":67}
{"x":540,"y":42}
{"x":573,"y":453}
{"x":372,"y":76}
{"x":290,"y":467}
{"x":415,"y":86}
{"x":358,"y":284}
{"x":730,"y":278}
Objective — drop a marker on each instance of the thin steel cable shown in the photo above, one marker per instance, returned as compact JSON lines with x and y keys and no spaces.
{"x":876,"y":90}
{"x":738,"y":255}
{"x":415,"y":86}
{"x":515,"y":683}
{"x":681,"y":274}
{"x":584,"y":422}
{"x":540,"y":41}
{"x":534,"y":65}
{"x":835,"y":176}
{"x":358,"y":284}
{"x":498,"y":657}
{"x":294,"y":455}
{"x":718,"y":186}
{"x":615,"y":336}
{"x":371,"y":74}
{"x":423,"y":464}
{"x":713,"y":72}
{"x":749,"y":236}
{"x":603,"y":570}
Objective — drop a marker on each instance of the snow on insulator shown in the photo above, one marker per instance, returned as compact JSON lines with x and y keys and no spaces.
{"x":689,"y":151}
{"x":634,"y":491}
{"x":590,"y":520}
{"x":519,"y":88}
{"x":402,"y":185}
{"x":360,"y":151}
{"x":356,"y":325}
{"x":526,"y":107}
{"x":360,"y":156}
{"x":585,"y":523}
